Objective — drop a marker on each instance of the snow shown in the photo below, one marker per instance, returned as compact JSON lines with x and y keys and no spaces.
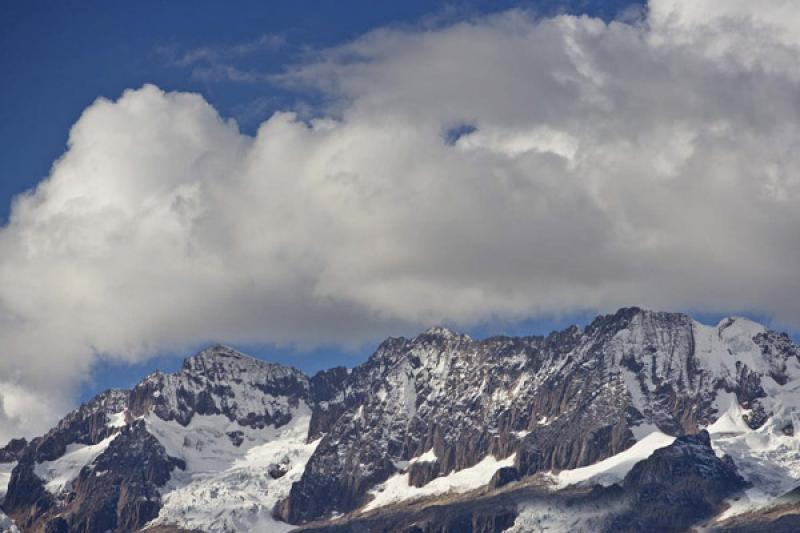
{"x":229,"y":488}
{"x":731,"y":422}
{"x":766,"y":457}
{"x":5,"y":477}
{"x":6,"y":524}
{"x":397,"y":488}
{"x":427,"y":457}
{"x":58,"y":474}
{"x":635,"y":389}
{"x":558,"y":517}
{"x":643,"y":430}
{"x":116,"y":420}
{"x":613,"y":469}
{"x":243,"y":381}
{"x":446,"y":333}
{"x":720,"y":347}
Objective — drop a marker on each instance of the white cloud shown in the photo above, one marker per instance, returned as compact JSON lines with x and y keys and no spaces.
{"x":216,"y":63}
{"x":612,"y":164}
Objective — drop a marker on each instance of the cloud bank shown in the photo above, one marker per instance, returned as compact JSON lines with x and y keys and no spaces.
{"x":501,"y":167}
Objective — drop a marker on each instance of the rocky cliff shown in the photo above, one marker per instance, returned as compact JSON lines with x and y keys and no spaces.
{"x":232,"y":442}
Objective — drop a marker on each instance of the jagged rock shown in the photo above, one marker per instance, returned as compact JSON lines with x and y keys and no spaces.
{"x":330,"y":398}
{"x":11,"y":451}
{"x":26,"y":501}
{"x":677,"y":486}
{"x":89,"y":424}
{"x":503,"y":477}
{"x":118,"y":490}
{"x":423,"y":472}
{"x":556,"y":402}
{"x":559,"y":402}
{"x":277,"y":471}
{"x":237,"y":437}
{"x":57,"y":525}
{"x":222,"y":381}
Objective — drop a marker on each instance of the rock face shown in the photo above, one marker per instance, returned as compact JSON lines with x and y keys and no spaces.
{"x":11,"y":451}
{"x":119,"y":490}
{"x":685,"y":476}
{"x":27,"y":501}
{"x":102,"y":469}
{"x":557,"y":402}
{"x":424,"y":407}
{"x":222,"y":381}
{"x":670,"y":491}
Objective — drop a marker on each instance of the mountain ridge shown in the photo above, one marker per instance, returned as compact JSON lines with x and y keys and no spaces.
{"x":438,"y":409}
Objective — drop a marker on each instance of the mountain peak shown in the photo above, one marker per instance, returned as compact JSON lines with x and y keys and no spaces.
{"x":571,"y":400}
{"x":740,"y":324}
{"x":216,"y":353}
{"x":222,"y":350}
{"x":445,"y":333}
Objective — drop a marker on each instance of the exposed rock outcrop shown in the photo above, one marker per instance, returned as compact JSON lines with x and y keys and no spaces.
{"x":558,"y":402}
{"x":677,"y":486}
{"x":424,"y":407}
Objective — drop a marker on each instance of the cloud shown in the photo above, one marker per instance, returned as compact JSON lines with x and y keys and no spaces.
{"x":596,"y":165}
{"x":212,"y":54}
{"x":226,"y":72}
{"x":218,"y":63}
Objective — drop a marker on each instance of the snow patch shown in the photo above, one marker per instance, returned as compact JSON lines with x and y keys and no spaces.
{"x":613,"y":469}
{"x":427,"y":457}
{"x":555,"y":516}
{"x":59,"y":474}
{"x":643,"y":430}
{"x":6,"y":524}
{"x":768,"y":457}
{"x":117,"y":420}
{"x":225,"y":487}
{"x":397,"y":488}
{"x":5,"y":477}
{"x":732,"y":420}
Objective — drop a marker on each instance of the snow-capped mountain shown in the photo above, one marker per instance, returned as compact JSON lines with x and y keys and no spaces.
{"x":599,"y":428}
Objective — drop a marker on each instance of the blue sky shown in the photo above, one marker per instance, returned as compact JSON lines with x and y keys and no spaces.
{"x":584,"y":177}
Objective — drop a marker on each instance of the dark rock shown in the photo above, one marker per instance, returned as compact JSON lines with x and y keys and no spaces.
{"x":559,"y":402}
{"x":57,"y":525}
{"x":210,"y":384}
{"x":276,"y":471}
{"x":117,"y":492}
{"x":237,"y":437}
{"x":12,"y":451}
{"x":503,"y":477}
{"x":562,"y":401}
{"x":89,"y":424}
{"x":330,"y":399}
{"x":423,"y":472}
{"x":677,"y":486}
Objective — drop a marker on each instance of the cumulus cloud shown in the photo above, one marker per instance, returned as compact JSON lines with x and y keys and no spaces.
{"x":650,"y":162}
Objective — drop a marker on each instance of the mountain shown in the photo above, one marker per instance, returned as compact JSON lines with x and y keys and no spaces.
{"x":642,"y":420}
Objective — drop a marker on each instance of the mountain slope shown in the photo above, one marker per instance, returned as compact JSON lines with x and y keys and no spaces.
{"x":234,"y":443}
{"x":558,"y":402}
{"x":126,"y":458}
